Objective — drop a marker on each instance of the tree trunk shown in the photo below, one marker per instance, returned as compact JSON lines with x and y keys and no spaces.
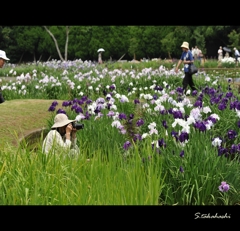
{"x":169,"y":55}
{"x":49,"y":58}
{"x":55,"y":41}
{"x":39,"y":58}
{"x":21,"y":58}
{"x":34,"y":57}
{"x":66,"y":44}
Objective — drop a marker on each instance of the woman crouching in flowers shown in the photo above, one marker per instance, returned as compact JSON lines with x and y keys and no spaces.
{"x":61,"y":137}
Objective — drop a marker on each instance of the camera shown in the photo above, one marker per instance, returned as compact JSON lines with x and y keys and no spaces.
{"x":77,"y":126}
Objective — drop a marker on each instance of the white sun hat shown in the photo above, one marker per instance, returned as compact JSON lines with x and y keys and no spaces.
{"x":61,"y":120}
{"x":185,"y":45}
{"x":3,"y":55}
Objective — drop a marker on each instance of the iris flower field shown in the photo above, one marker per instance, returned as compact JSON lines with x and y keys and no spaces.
{"x":148,"y":143}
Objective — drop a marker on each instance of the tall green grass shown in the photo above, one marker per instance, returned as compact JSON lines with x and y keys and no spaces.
{"x":32,"y":178}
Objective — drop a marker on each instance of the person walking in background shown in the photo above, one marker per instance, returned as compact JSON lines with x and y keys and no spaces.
{"x":200,"y":55}
{"x":236,"y":53}
{"x":100,"y":58}
{"x":187,"y":60}
{"x":220,"y":54}
{"x":195,"y":53}
{"x":3,"y":59}
{"x":226,"y":55}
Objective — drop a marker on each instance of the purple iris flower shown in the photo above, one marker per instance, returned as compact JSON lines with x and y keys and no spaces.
{"x":136,"y":101}
{"x":111,"y":113}
{"x":214,"y":120}
{"x":179,"y":90}
{"x":182,"y":153}
{"x":181,"y":169}
{"x":137,"y":137}
{"x":60,"y":110}
{"x":229,"y":94}
{"x":66,"y":103}
{"x":109,"y":105}
{"x":54,"y":103}
{"x":104,"y":92}
{"x":80,"y":102}
{"x":231,"y":134}
{"x":87,"y":115}
{"x":100,"y":101}
{"x":161,"y":143}
{"x":155,"y":97}
{"x":75,"y":100}
{"x":51,"y":108}
{"x":194,"y":92}
{"x":122,"y":116}
{"x":234,"y":149}
{"x":177,"y":115}
{"x":224,"y":187}
{"x":78,"y":110}
{"x":74,"y":106}
{"x":212,"y":91}
{"x":175,"y":134}
{"x":112,"y":87}
{"x":200,"y":125}
{"x":183,"y":136}
{"x":170,"y":111}
{"x":158,"y":88}
{"x":163,"y":112}
{"x":88,"y":101}
{"x":140,"y":122}
{"x":221,"y":151}
{"x":164,"y":123}
{"x":198,"y":103}
{"x":126,"y":145}
{"x":131,"y":116}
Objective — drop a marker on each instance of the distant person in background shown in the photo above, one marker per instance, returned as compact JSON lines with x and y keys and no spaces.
{"x":196,"y":53}
{"x":236,"y":53}
{"x":220,"y":54}
{"x":193,"y":51}
{"x":200,"y":55}
{"x":100,"y":58}
{"x":3,"y":59}
{"x":226,"y":55}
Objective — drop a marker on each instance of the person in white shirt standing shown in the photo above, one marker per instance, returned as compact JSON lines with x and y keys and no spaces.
{"x":236,"y":53}
{"x":220,"y":54}
{"x":61,"y":137}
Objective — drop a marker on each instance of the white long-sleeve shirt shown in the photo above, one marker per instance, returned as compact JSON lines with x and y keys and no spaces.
{"x":54,"y":140}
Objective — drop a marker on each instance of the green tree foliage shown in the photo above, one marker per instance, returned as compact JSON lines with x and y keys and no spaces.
{"x":29,"y":43}
{"x":234,"y":39}
{"x":28,"y":39}
{"x":169,"y":43}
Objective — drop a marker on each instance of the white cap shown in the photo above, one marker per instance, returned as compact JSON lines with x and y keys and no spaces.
{"x":3,"y":55}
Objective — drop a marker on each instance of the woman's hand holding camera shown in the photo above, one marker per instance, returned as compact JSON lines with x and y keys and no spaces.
{"x":70,"y":129}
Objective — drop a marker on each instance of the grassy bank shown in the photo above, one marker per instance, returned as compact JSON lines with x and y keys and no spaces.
{"x":20,"y":117}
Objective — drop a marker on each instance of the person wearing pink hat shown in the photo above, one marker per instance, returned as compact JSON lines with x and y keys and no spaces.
{"x":3,"y":59}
